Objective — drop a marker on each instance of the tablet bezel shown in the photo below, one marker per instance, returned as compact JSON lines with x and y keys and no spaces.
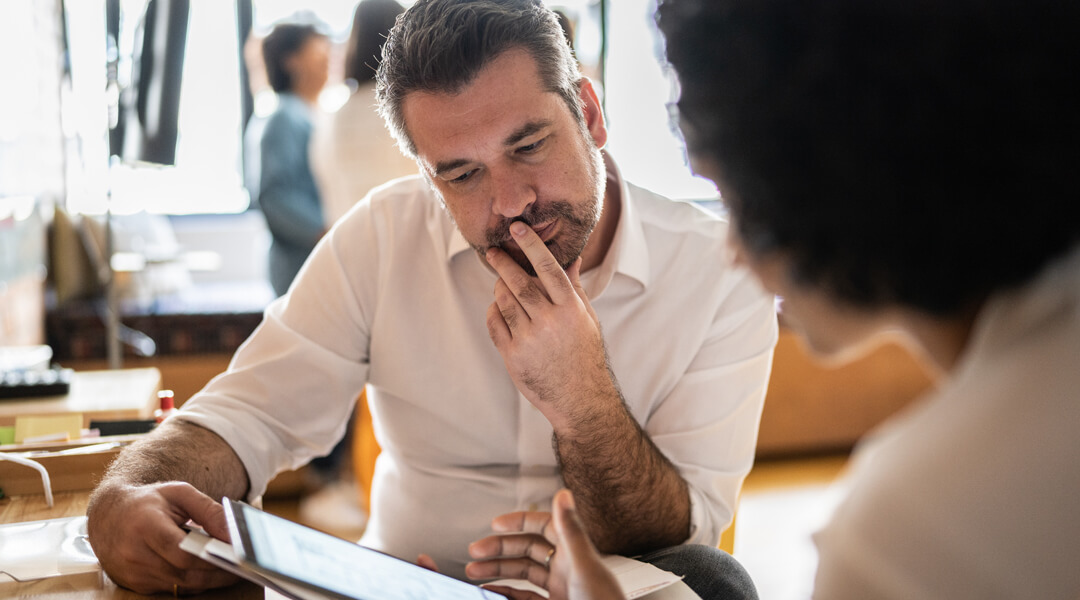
{"x":246,"y":553}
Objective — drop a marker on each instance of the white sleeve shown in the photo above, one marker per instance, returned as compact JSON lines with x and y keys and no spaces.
{"x":290,"y":389}
{"x":707,"y":426}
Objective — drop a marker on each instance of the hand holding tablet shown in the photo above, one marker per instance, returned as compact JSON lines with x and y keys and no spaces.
{"x":305,"y":564}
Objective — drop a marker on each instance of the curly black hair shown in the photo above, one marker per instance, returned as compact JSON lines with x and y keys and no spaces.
{"x":899,"y":152}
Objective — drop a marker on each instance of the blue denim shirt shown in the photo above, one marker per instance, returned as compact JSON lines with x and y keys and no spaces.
{"x":287,"y":193}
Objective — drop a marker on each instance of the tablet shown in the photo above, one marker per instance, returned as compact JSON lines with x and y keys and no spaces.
{"x":333,"y":566}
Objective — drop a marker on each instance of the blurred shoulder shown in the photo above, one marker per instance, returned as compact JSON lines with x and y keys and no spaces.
{"x":677,"y":216}
{"x":398,"y":200}
{"x":684,"y":224}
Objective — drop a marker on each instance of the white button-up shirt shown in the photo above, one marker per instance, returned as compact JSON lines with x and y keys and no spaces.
{"x":395,"y":298}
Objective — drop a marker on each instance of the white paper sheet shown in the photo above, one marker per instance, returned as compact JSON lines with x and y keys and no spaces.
{"x":637,"y":579}
{"x":39,"y":549}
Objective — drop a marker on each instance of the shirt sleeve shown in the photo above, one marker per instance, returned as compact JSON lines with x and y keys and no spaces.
{"x":707,"y":425}
{"x":288,"y":393}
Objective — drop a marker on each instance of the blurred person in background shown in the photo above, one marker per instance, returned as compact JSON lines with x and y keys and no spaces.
{"x":355,"y":152}
{"x":297,"y":59}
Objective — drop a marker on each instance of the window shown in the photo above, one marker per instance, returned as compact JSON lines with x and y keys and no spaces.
{"x":639,"y":89}
{"x":207,"y":177}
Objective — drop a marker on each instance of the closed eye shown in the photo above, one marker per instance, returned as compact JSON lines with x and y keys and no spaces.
{"x":530,"y":148}
{"x":463,"y":177}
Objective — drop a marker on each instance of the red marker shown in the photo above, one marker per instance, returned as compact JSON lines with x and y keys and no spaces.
{"x":167,"y":406}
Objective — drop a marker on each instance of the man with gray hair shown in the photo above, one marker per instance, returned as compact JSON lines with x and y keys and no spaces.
{"x":510,"y":312}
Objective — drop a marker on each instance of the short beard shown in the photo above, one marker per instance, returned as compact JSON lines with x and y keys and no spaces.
{"x":573,"y":234}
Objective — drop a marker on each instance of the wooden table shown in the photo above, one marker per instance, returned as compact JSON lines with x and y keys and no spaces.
{"x":84,"y":586}
{"x":122,"y":394}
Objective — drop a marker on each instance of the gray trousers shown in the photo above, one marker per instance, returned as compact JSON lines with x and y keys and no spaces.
{"x":710,"y":572}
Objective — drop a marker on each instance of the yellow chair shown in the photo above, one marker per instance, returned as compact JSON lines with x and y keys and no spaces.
{"x":365,"y":450}
{"x":727,"y":539}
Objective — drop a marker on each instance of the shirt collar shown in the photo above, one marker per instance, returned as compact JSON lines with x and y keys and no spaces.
{"x":628,"y":254}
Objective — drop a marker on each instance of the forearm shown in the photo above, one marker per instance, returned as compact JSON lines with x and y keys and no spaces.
{"x":180,"y":451}
{"x":631,"y":498}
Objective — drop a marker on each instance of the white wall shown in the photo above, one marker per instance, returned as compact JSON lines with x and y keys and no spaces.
{"x":242,"y":241}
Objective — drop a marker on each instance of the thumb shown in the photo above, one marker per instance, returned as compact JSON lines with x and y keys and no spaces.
{"x":198,"y":507}
{"x":427,"y":562}
{"x":573,"y":273}
{"x":586,"y":576}
{"x":568,"y":526}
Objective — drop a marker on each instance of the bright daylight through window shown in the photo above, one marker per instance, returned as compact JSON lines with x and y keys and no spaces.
{"x":208,"y":173}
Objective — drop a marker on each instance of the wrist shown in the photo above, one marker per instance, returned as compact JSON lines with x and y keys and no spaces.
{"x":590,"y":416}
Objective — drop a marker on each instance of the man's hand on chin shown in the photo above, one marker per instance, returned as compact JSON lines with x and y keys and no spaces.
{"x":547,"y":333}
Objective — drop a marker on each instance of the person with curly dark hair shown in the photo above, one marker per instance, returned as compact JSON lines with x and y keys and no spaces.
{"x":906,"y":168}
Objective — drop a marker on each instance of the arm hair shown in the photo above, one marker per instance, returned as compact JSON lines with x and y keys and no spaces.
{"x":180,"y":451}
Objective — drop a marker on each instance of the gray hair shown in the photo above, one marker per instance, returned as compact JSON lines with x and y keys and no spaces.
{"x":440,"y":46}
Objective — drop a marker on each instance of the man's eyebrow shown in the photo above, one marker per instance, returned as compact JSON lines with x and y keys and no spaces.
{"x":525,"y":131}
{"x":449,"y":165}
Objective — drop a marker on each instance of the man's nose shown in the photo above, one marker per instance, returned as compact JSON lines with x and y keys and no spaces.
{"x":511,"y":195}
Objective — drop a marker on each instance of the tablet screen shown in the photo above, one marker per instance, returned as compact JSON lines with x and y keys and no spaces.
{"x":314,"y":558}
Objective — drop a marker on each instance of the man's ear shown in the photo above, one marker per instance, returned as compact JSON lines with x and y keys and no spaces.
{"x":594,"y":116}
